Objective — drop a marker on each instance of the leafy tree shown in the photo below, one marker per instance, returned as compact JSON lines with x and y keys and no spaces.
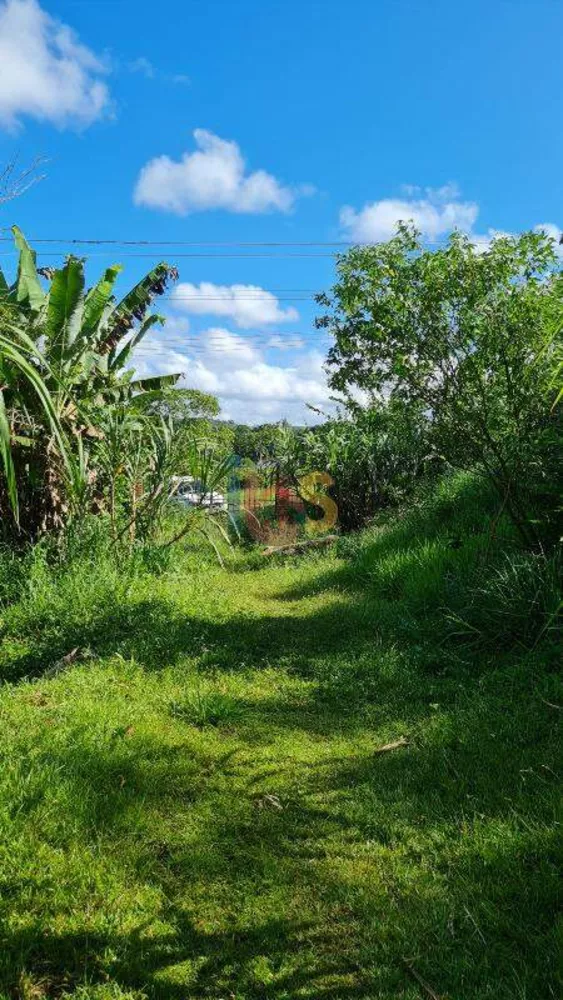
{"x":186,"y":406}
{"x":468,"y":336}
{"x":375,"y":455}
{"x":259,"y":443}
{"x":193,"y":414}
{"x":244,"y":441}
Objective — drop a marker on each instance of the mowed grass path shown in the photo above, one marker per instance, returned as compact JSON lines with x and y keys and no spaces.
{"x":200,"y":808}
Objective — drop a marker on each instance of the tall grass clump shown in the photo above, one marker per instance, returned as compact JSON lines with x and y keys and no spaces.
{"x":453,"y":566}
{"x":64,"y":594}
{"x":517,"y":603}
{"x":13,"y":574}
{"x":59,"y":608}
{"x":75,"y":596}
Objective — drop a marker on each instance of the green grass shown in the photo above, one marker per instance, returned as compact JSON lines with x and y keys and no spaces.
{"x":193,"y":804}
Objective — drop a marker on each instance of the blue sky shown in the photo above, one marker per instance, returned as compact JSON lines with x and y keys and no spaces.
{"x":310,"y":121}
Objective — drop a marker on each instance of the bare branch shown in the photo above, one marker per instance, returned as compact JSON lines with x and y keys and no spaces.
{"x":14,"y":183}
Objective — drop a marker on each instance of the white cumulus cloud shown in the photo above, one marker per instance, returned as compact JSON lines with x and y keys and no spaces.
{"x":45,"y":71}
{"x":247,"y":305}
{"x":249,"y":387}
{"x":435,"y":212}
{"x":213,"y":176}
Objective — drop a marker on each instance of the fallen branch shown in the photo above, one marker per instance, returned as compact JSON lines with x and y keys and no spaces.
{"x":421,"y":982}
{"x":296,"y":547}
{"x":76,"y":655}
{"x":402,"y":742}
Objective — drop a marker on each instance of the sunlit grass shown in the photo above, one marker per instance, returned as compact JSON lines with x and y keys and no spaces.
{"x":194,"y":805}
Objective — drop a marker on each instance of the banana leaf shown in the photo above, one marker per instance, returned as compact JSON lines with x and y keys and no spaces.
{"x":120,"y":359}
{"x":64,"y":309}
{"x":13,"y":354}
{"x":28,"y":290}
{"x":7,"y":460}
{"x":135,"y":304}
{"x":155,"y":382}
{"x":96,"y":303}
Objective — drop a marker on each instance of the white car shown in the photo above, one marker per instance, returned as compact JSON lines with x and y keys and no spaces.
{"x":189,"y":493}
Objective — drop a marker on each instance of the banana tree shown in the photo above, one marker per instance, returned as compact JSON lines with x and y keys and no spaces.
{"x":87,"y":337}
{"x":77,"y":345}
{"x":15,"y":365}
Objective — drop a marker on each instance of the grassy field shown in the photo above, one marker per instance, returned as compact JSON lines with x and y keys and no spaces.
{"x":195,"y":796}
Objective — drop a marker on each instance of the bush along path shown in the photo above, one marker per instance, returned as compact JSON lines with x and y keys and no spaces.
{"x":331,"y":777}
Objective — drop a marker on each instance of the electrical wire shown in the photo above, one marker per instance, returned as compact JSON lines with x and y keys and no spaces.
{"x":222,"y":243}
{"x":191,"y":256}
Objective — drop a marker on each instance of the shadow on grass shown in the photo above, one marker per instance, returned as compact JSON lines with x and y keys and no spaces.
{"x":393,"y":587}
{"x":441,"y":850}
{"x":157,"y":634}
{"x":214,"y":963}
{"x":421,"y":852}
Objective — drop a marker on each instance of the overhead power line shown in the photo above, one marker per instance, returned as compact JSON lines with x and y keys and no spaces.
{"x":222,"y":243}
{"x":218,"y":345}
{"x":178,"y":256}
{"x":266,"y":296}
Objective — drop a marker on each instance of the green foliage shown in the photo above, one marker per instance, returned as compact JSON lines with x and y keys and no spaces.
{"x":198,"y":802}
{"x":376,"y":456}
{"x":471,"y":338}
{"x":247,"y":778}
{"x":185,"y":406}
{"x":247,"y":471}
{"x":450,"y":550}
{"x":13,"y":572}
{"x":259,"y":444}
{"x":61,"y":367}
{"x":25,"y":391}
{"x":78,"y":432}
